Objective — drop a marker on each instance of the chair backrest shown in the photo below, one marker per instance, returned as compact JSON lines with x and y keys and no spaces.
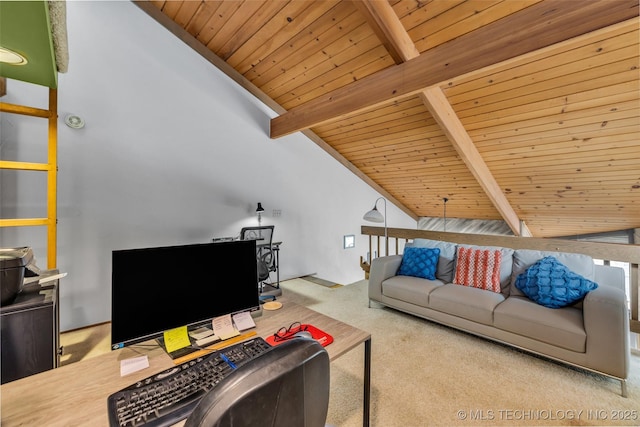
{"x":263,"y":235}
{"x":288,"y":386}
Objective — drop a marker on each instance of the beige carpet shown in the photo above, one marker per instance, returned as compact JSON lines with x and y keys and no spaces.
{"x":424,"y":374}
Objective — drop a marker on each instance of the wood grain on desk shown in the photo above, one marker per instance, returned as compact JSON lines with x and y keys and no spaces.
{"x":76,"y":394}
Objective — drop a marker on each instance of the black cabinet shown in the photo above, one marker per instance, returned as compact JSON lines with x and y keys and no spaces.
{"x":30,"y":333}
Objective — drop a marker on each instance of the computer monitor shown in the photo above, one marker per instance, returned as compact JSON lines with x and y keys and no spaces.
{"x":162,"y":288}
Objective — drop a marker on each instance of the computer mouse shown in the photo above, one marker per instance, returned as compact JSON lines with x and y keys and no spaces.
{"x":303,"y":334}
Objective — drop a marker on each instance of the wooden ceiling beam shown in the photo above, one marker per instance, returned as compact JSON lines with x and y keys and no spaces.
{"x":535,"y":27}
{"x":393,"y":35}
{"x":437,"y":103}
{"x":385,"y":23}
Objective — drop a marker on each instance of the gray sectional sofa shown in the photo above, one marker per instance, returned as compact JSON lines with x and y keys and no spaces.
{"x":592,"y":333}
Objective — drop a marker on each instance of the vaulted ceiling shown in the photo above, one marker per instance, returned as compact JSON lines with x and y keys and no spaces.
{"x":521,"y":110}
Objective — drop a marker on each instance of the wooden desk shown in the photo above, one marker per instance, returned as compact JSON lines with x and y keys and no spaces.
{"x":76,"y":394}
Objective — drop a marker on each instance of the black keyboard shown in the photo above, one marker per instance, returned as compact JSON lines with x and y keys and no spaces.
{"x":165,"y":398}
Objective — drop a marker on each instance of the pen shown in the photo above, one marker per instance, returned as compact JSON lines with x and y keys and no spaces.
{"x":229,"y":362}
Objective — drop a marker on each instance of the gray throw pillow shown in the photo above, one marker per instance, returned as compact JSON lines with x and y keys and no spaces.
{"x":444,"y":271}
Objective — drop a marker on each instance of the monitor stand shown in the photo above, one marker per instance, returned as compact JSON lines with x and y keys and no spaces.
{"x":181,"y":352}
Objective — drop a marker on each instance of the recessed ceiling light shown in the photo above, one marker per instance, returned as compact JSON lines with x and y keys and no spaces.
{"x":10,"y":57}
{"x":74,"y":121}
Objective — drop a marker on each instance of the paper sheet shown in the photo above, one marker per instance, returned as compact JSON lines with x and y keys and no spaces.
{"x":243,"y":321}
{"x":223,"y":327}
{"x":200,"y":333}
{"x":135,"y":364}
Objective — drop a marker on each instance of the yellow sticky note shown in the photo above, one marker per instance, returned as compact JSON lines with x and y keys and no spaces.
{"x":175,"y":339}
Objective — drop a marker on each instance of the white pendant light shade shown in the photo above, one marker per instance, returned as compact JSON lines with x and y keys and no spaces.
{"x":373,"y":215}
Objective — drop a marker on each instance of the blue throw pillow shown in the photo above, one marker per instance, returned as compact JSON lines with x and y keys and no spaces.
{"x":551,"y":284}
{"x":419,"y":262}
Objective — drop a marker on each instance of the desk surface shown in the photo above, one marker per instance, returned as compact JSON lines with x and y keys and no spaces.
{"x":76,"y":394}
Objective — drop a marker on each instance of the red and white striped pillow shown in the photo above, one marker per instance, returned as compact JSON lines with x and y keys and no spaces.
{"x":478,"y":268}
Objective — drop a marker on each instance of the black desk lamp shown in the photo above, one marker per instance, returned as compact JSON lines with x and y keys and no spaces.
{"x":259,"y":211}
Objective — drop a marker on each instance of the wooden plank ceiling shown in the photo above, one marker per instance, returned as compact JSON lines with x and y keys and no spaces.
{"x":521,"y":110}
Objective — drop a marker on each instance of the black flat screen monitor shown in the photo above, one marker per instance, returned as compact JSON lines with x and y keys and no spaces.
{"x":161,"y":288}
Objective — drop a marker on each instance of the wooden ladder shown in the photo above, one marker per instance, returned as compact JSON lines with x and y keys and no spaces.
{"x":51,"y":168}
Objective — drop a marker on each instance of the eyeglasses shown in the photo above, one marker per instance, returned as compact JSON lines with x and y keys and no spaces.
{"x":284,"y":334}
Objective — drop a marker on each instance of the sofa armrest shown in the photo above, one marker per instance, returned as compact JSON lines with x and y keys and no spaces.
{"x":381,"y":269}
{"x":606,"y":322}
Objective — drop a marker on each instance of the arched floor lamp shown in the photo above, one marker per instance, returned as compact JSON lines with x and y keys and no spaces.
{"x":374,"y":215}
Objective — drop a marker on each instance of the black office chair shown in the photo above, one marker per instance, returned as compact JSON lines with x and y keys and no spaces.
{"x":263,"y":235}
{"x":286,"y":387}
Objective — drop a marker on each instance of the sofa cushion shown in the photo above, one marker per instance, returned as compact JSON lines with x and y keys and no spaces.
{"x":551,"y":284}
{"x":506,"y":264}
{"x":469,"y":303}
{"x":444,"y":271}
{"x":419,"y":262}
{"x":524,"y":258}
{"x":478,"y":268}
{"x":563,"y":327}
{"x":410,"y":289}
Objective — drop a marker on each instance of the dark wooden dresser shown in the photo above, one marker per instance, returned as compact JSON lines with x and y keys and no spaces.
{"x":30,"y":333}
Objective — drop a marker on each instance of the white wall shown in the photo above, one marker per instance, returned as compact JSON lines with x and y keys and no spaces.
{"x":172,"y":152}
